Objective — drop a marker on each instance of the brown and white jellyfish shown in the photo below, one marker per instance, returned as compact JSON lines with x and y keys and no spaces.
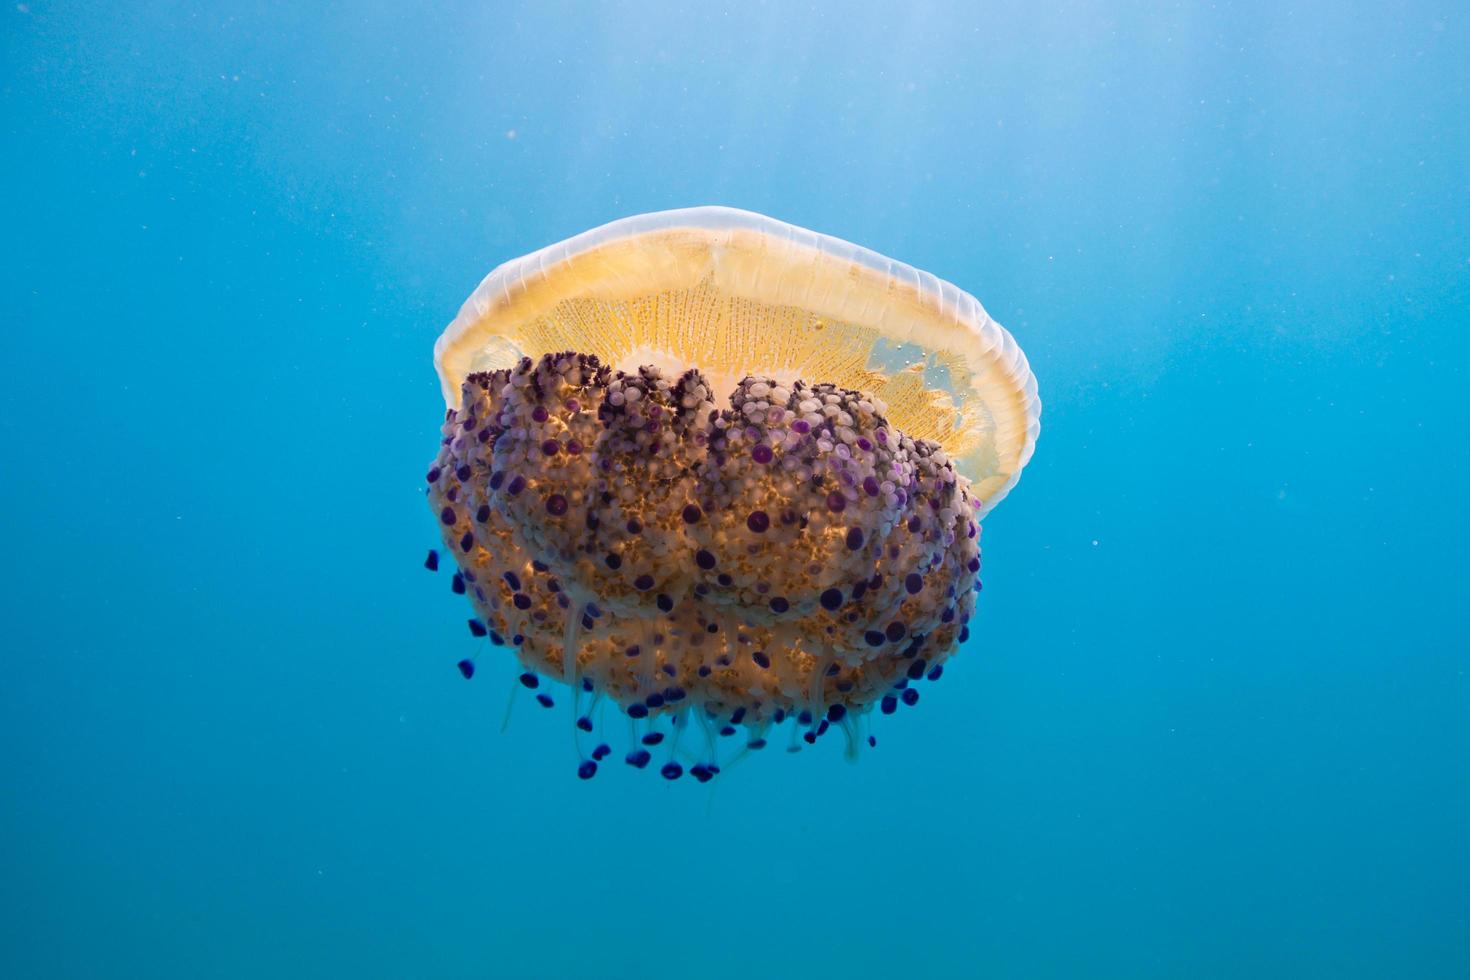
{"x":723,"y":474}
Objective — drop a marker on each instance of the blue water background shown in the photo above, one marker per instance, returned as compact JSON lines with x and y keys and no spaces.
{"x":1213,"y":718}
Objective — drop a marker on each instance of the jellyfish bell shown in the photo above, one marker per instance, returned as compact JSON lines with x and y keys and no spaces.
{"x":736,"y":294}
{"x":724,"y":472}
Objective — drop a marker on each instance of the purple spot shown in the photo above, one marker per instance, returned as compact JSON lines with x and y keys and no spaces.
{"x":466,"y":669}
{"x":521,"y":601}
{"x":832,"y":600}
{"x":556,"y":505}
{"x":544,"y":700}
{"x":854,"y":538}
{"x":692,"y":514}
{"x":761,"y":454}
{"x":530,"y":680}
{"x":538,"y":414}
{"x":836,"y":502}
{"x":551,"y":447}
{"x":573,"y":447}
{"x":432,"y":562}
{"x":587,"y":770}
{"x":864,"y":445}
{"x":447,"y":515}
{"x":779,"y":605}
{"x":801,"y":427}
{"x":433,"y":474}
{"x":477,"y":628}
{"x":704,"y":559}
{"x":910,"y":697}
{"x":913,"y":582}
{"x":895,"y":631}
{"x":870,"y":486}
{"x":643,"y":583}
{"x":516,"y":485}
{"x":758,"y":521}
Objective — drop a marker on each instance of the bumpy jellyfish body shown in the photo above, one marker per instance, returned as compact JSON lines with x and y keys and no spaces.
{"x":723,"y":474}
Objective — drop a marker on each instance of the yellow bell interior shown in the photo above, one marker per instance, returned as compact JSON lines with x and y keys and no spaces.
{"x":735,"y":293}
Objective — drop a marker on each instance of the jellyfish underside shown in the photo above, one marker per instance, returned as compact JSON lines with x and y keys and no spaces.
{"x":704,"y":546}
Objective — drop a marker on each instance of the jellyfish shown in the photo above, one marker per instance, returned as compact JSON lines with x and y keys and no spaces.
{"x":724,"y":476}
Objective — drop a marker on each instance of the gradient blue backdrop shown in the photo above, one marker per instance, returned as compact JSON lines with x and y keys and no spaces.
{"x":1212,"y":722}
